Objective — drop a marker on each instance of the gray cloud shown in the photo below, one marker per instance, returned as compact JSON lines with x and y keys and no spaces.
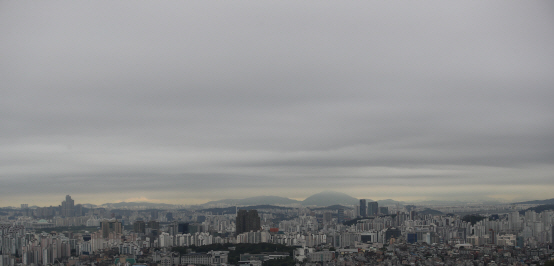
{"x":208,"y":99}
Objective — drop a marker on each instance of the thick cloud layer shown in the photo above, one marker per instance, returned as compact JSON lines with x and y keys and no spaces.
{"x":191,"y":101}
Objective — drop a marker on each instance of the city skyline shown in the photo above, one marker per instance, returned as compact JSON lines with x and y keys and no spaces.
{"x":331,"y":199}
{"x":522,"y":232}
{"x":185,"y":103}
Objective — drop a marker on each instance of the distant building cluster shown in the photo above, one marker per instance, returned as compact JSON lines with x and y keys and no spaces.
{"x":370,"y":209}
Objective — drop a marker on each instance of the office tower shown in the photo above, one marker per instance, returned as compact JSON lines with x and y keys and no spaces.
{"x":363,"y":208}
{"x":340,"y":216}
{"x":327,"y":217}
{"x":372,"y":208}
{"x":247,"y":221}
{"x":154,"y":225}
{"x":110,"y":226}
{"x":139,"y":227}
{"x":183,"y":228}
{"x":68,"y":207}
{"x":384,"y":210}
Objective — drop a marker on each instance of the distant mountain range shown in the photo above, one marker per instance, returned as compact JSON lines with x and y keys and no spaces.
{"x":148,"y":205}
{"x":331,"y":208}
{"x":322,"y":199}
{"x":539,"y":209}
{"x":547,"y":201}
{"x":232,"y":210}
{"x":326,"y":198}
{"x":259,"y":200}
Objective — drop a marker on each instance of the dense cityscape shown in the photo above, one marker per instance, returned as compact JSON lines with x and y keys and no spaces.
{"x":365,"y":233}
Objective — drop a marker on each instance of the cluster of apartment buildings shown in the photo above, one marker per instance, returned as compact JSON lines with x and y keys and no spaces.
{"x":133,"y":233}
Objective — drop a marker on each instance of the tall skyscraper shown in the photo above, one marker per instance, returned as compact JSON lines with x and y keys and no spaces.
{"x":68,"y":207}
{"x":552,"y":232}
{"x":363,"y":208}
{"x":372,"y":208}
{"x":247,"y":221}
{"x":340,"y":216}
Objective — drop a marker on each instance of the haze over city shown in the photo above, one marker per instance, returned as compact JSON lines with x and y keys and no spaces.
{"x":188,"y":102}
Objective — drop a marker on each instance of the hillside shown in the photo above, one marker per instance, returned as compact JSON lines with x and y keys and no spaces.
{"x":328,"y":198}
{"x":539,"y":209}
{"x":259,"y":200}
{"x":543,"y":202}
{"x":232,"y":210}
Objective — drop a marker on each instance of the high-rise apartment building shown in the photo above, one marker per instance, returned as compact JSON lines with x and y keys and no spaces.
{"x":372,"y":208}
{"x":363,"y":208}
{"x":78,"y":210}
{"x":25,"y":209}
{"x":327,"y":217}
{"x":173,"y":228}
{"x":247,"y":221}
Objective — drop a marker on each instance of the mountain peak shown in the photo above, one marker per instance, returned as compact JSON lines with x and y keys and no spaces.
{"x":257,"y":200}
{"x":328,"y":198}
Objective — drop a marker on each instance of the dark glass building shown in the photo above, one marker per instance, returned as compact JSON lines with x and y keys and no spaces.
{"x":372,"y":208}
{"x":363,"y":208}
{"x":247,"y":221}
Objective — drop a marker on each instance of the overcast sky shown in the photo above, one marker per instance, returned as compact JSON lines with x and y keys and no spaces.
{"x":189,"y":101}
